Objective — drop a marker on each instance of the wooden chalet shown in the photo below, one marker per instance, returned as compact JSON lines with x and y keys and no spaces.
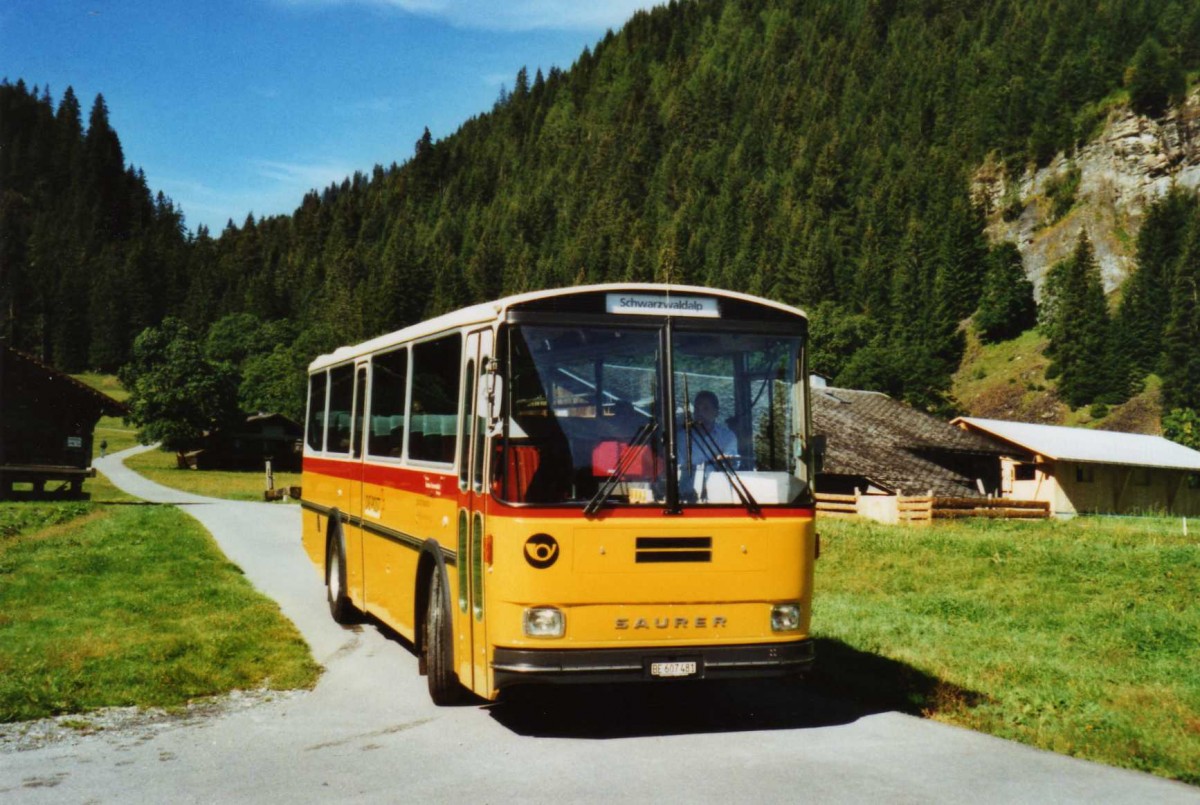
{"x":47,"y":419}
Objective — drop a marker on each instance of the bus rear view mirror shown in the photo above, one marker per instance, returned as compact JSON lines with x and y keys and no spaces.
{"x":495,"y":393}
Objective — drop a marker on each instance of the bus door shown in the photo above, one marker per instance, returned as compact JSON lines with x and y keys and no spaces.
{"x":471,"y":655}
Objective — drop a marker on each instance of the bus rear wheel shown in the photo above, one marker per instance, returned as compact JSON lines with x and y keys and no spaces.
{"x":335,"y":583}
{"x":444,"y":687}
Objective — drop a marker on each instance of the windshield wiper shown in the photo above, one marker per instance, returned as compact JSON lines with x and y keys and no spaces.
{"x":623,"y":464}
{"x":709,"y":444}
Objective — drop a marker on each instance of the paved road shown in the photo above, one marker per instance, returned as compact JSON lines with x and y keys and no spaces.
{"x":369,"y":733}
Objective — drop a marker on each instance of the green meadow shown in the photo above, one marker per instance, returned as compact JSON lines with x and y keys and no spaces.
{"x":119,"y":605}
{"x":1081,"y":637}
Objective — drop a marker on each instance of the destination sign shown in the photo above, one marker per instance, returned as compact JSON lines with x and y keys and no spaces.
{"x":663,"y":305}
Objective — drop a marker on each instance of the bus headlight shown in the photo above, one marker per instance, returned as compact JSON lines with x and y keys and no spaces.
{"x":785,"y":617}
{"x":544,"y":622}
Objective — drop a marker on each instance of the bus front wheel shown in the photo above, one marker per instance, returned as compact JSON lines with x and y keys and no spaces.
{"x":444,"y":687}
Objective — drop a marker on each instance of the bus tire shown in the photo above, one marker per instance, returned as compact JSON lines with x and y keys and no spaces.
{"x":444,"y":687}
{"x":335,"y":580}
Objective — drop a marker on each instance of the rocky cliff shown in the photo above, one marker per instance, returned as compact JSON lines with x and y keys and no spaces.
{"x":1103,"y":188}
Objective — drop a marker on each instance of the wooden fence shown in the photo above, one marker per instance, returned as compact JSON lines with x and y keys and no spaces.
{"x":924,"y":509}
{"x":837,"y":505}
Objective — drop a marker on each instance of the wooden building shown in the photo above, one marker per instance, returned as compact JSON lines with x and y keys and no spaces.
{"x":260,"y":438}
{"x":1079,"y":470}
{"x":47,"y":419}
{"x":876,"y":445}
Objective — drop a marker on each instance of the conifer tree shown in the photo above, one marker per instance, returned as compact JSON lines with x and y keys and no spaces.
{"x":1146,"y":304}
{"x":1181,"y":339}
{"x":1155,"y":79}
{"x":1006,"y":307}
{"x":1079,"y":330}
{"x":104,"y":166}
{"x":961,"y":260}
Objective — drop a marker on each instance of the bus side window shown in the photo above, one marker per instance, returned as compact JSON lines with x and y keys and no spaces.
{"x":481,"y":425}
{"x":437,"y":373}
{"x":389,"y":379}
{"x":464,"y":437}
{"x":360,"y":410}
{"x":315,"y":431}
{"x":341,"y":404}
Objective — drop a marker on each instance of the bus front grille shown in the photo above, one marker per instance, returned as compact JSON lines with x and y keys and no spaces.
{"x":673,"y":549}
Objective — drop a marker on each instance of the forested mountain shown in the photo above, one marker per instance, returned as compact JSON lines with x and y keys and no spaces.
{"x":815,"y":151}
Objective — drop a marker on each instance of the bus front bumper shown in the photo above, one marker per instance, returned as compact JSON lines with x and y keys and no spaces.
{"x":539,"y":666}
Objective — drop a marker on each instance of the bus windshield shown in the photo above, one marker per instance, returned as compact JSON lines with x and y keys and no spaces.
{"x":592,"y":418}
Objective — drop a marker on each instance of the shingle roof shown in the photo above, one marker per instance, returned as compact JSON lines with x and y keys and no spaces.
{"x":1087,"y":445}
{"x":871,"y":435}
{"x":69,"y":385}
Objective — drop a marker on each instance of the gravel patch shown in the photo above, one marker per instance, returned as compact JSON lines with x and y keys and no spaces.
{"x":124,"y":724}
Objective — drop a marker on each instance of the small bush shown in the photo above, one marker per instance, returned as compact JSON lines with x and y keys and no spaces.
{"x":1062,"y":192}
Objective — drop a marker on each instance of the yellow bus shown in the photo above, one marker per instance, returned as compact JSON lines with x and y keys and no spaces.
{"x":602,"y":483}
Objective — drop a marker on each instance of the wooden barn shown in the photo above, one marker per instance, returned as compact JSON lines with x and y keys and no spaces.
{"x":47,"y":419}
{"x":1080,"y":470}
{"x":878,"y":445}
{"x":258,"y":439}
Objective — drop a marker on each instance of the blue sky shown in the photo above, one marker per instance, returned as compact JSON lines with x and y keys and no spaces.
{"x":239,"y":106}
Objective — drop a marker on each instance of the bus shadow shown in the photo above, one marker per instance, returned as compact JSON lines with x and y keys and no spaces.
{"x":845,"y":685}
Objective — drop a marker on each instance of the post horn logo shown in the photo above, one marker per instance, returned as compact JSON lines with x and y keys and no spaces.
{"x":541,"y":551}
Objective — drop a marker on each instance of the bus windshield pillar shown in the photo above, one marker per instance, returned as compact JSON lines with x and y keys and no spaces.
{"x":668,"y":391}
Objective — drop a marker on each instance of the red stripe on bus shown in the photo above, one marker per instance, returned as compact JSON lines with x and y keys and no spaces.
{"x":408,"y":479}
{"x":439,"y":484}
{"x":630,"y":512}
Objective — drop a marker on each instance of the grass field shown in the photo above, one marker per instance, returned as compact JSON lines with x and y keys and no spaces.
{"x":1080,"y":637}
{"x":129,"y":605}
{"x":160,"y":467}
{"x":110,"y":429}
{"x":114,"y":431}
{"x":105,"y":383}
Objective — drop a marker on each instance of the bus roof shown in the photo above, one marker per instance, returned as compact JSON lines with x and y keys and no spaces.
{"x":496,"y":310}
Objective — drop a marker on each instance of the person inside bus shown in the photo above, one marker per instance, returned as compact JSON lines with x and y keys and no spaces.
{"x":715,"y":434}
{"x":701,"y":440}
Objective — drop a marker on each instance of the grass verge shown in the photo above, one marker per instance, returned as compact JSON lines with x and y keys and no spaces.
{"x":160,"y":467}
{"x":129,"y":605}
{"x":1080,"y":637}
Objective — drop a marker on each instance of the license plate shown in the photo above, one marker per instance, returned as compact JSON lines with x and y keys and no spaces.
{"x":673,"y":669}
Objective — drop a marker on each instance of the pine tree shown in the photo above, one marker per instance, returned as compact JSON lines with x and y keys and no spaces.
{"x":961,"y":260}
{"x":1079,"y":331}
{"x":1006,"y":306}
{"x":1146,"y":304}
{"x":1154,"y":78}
{"x":104,"y":166}
{"x":1181,"y":339}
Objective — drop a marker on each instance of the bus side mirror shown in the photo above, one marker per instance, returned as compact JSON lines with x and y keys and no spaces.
{"x":495,"y":394}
